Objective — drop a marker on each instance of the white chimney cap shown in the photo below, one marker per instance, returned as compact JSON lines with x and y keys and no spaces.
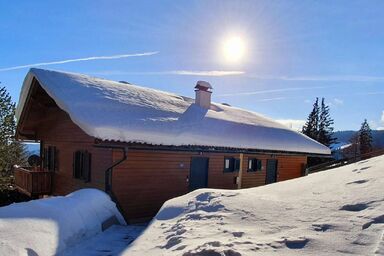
{"x":203,"y":85}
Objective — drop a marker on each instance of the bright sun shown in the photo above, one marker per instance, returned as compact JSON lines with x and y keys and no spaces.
{"x":234,"y":49}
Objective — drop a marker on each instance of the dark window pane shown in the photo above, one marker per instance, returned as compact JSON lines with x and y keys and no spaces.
{"x":229,"y":164}
{"x":82,"y":165}
{"x":237,"y":164}
{"x":259,"y":165}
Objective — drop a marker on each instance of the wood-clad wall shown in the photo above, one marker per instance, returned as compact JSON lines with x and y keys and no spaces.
{"x":288,"y":167}
{"x":257,"y":178}
{"x":147,"y":178}
{"x":144,"y":181}
{"x":67,"y":137}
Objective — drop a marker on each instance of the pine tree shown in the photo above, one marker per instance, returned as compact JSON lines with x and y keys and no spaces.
{"x":11,"y":151}
{"x":365,"y":138}
{"x":325,"y":132}
{"x":311,"y":127}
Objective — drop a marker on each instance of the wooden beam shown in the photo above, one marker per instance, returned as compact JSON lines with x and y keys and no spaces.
{"x":240,"y":177}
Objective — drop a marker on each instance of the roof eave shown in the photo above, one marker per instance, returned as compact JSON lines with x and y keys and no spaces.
{"x":200,"y":148}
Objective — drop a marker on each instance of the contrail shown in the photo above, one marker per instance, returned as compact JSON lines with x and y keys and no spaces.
{"x":121,"y":56}
{"x":271,"y":91}
{"x":175,"y":72}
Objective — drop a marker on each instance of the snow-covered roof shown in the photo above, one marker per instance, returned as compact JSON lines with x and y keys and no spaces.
{"x":111,"y":110}
{"x":340,"y":146}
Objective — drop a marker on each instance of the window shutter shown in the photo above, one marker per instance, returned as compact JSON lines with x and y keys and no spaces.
{"x":231,"y":164}
{"x":259,"y":165}
{"x":237,"y":164}
{"x":51,"y":158}
{"x":45,"y":158}
{"x":86,"y":166}
{"x":56,"y":160}
{"x":77,"y":164}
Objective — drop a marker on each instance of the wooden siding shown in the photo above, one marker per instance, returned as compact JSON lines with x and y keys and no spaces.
{"x":54,"y":127}
{"x":68,"y":138}
{"x":144,"y":181}
{"x":257,"y":178}
{"x":288,"y":167}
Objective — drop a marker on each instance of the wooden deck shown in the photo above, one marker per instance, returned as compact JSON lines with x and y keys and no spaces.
{"x":33,"y":182}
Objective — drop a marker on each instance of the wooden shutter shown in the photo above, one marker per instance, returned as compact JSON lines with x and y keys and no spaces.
{"x":51,"y":158}
{"x":77,"y":159}
{"x":56,"y":160}
{"x":237,"y":164}
{"x":259,"y":164}
{"x":46,"y":159}
{"x":86,"y":166}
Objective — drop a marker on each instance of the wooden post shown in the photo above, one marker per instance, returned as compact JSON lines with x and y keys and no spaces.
{"x":240,"y":177}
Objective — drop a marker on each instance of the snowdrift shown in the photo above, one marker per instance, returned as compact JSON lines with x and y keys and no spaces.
{"x":336,"y":212}
{"x":48,"y":226}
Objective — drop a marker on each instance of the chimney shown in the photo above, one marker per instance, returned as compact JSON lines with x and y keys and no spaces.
{"x":203,"y":92}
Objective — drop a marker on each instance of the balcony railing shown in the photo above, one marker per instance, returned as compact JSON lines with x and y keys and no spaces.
{"x":32,"y":181}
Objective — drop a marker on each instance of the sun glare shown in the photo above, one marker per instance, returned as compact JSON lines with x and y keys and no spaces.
{"x":234,"y":49}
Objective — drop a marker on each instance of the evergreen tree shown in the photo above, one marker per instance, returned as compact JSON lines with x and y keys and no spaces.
{"x":365,"y":138}
{"x":325,"y":132}
{"x":11,"y":152}
{"x":311,"y":127}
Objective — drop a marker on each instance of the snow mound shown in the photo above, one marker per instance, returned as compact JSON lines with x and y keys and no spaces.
{"x":335,"y":212}
{"x":48,"y":226}
{"x":132,"y":113}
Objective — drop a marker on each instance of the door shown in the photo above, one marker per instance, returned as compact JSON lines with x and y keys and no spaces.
{"x":271,"y":175}
{"x":198,"y":176}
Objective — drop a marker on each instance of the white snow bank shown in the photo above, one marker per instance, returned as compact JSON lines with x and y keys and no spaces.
{"x":48,"y":226}
{"x":111,"y":242}
{"x":335,"y":212}
{"x":111,"y":110}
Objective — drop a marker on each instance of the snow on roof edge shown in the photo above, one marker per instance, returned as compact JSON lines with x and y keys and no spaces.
{"x":91,"y":132}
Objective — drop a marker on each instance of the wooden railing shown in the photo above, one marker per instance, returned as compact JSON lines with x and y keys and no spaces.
{"x":32,"y":181}
{"x":341,"y":162}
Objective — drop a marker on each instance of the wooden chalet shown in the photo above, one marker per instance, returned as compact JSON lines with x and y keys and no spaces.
{"x":145,"y":146}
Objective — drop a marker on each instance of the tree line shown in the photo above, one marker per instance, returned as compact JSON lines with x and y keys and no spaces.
{"x":319,"y":126}
{"x":12,"y":152}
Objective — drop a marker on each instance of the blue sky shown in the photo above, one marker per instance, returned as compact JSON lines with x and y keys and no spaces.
{"x":296,"y":50}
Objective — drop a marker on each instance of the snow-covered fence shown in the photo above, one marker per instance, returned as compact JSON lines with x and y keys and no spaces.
{"x":344,"y":161}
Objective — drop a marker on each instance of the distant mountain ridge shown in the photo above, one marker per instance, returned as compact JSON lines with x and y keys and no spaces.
{"x":377,"y":136}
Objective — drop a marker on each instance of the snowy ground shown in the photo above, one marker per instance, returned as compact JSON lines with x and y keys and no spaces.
{"x":111,"y":242}
{"x":336,"y":212}
{"x":50,"y":226}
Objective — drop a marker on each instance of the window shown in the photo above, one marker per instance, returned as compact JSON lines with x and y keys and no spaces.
{"x":231,"y":164}
{"x":237,"y":164}
{"x":50,"y":158}
{"x":254,"y":165}
{"x":82,"y":165}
